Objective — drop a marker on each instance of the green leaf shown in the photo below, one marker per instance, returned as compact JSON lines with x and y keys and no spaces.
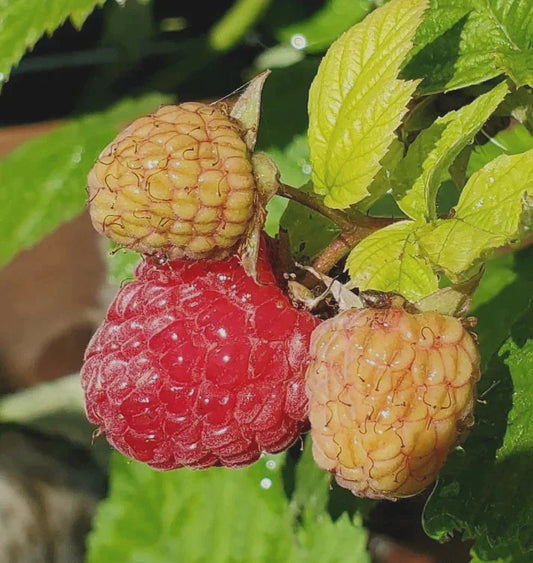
{"x":475,"y":559}
{"x":219,"y":515}
{"x":519,"y":104}
{"x":454,"y":51}
{"x":275,"y":209}
{"x":121,"y":264}
{"x":501,"y":299}
{"x":383,"y":182}
{"x":510,"y":141}
{"x":320,"y":537}
{"x":390,"y":260}
{"x":422,"y":114}
{"x":292,"y":161}
{"x":356,"y":101}
{"x":43,"y":181}
{"x":512,"y":22}
{"x":518,"y":66}
{"x":493,"y":211}
{"x":339,"y":541}
{"x":479,"y":491}
{"x":459,"y":167}
{"x":22,"y":23}
{"x":420,"y":174}
{"x":295,"y":170}
{"x":440,"y":16}
{"x":326,"y":24}
{"x":468,"y":42}
{"x":312,"y":484}
{"x":216,"y":515}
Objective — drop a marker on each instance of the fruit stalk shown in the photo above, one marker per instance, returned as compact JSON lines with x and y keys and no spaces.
{"x":343,"y":220}
{"x":354,"y":226}
{"x":345,"y":241}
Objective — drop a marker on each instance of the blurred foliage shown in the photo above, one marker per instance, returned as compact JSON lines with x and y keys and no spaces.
{"x":478,"y":490}
{"x":195,"y":516}
{"x":23,"y":24}
{"x":44,"y":180}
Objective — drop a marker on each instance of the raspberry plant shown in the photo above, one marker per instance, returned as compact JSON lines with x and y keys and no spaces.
{"x":403,"y":135}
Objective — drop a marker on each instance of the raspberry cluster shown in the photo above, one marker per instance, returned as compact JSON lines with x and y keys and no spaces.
{"x":198,"y":364}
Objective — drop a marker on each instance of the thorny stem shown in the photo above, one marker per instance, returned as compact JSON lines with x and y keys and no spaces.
{"x":354,"y":226}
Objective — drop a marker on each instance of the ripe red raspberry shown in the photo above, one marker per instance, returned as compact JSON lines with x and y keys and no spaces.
{"x":197,"y":365}
{"x":390,"y":394}
{"x":177,"y":182}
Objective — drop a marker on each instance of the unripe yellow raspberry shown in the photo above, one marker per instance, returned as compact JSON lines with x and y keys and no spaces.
{"x":390,"y":394}
{"x":178,"y":182}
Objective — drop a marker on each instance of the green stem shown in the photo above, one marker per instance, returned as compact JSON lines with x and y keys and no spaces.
{"x":343,"y":220}
{"x":345,"y":241}
{"x":354,"y":226}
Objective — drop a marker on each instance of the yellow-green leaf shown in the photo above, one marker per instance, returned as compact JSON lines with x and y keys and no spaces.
{"x":356,"y":101}
{"x":383,"y":182}
{"x":494,"y":210}
{"x":390,"y":260}
{"x":423,"y":169}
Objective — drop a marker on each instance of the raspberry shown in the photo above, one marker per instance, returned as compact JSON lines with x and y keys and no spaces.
{"x":197,"y":365}
{"x":178,"y":182}
{"x":390,"y":393}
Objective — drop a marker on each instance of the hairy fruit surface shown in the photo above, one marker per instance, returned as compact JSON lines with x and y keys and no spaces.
{"x":390,"y":393}
{"x":197,"y":365}
{"x":178,"y":182}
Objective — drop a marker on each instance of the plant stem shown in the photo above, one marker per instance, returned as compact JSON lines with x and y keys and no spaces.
{"x":343,"y":220}
{"x":354,"y":226}
{"x":346,"y":240}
